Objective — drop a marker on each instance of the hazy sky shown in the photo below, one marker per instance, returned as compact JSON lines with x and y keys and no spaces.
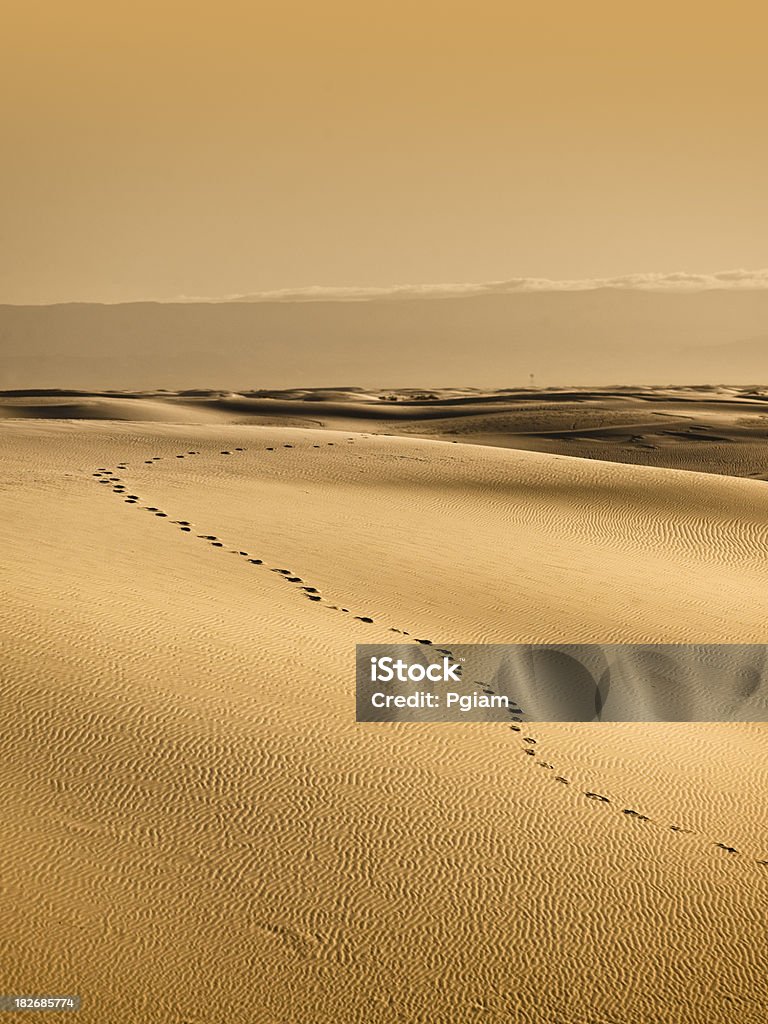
{"x":158,"y":149}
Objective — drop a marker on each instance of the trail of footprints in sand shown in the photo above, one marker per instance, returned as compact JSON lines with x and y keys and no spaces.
{"x":529,"y":744}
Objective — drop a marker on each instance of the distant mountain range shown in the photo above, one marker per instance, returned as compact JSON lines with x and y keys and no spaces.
{"x":592,"y":337}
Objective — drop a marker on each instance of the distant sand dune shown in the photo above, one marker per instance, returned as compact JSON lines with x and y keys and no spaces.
{"x":710,"y":429}
{"x":126,"y":409}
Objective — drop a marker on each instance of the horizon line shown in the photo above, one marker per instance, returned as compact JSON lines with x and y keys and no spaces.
{"x":680,"y":281}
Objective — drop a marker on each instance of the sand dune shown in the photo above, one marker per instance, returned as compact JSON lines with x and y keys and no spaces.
{"x":198,"y":831}
{"x":713,"y":429}
{"x":109,"y":408}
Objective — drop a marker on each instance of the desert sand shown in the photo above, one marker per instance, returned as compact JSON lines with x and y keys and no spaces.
{"x":195,"y":829}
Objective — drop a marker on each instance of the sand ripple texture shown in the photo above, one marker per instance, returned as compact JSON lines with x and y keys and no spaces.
{"x":196,"y":832}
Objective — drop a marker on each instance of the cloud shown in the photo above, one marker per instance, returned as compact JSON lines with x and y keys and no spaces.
{"x":743,"y":280}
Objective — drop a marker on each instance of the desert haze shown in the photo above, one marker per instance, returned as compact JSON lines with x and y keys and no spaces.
{"x":195,"y":829}
{"x":595,"y":336}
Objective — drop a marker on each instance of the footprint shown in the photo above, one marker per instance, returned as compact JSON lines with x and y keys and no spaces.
{"x":182,"y":522}
{"x":560,"y":778}
{"x":270,"y":449}
{"x":255,"y":561}
{"x":207,"y":536}
{"x":161,"y":515}
{"x":636,"y":814}
{"x":515,"y":728}
{"x":728,"y":849}
{"x":423,"y":641}
{"x":530,"y":753}
{"x":287,"y":446}
{"x":528,"y":739}
{"x":314,"y":597}
{"x":185,"y":529}
{"x":216,"y":544}
{"x":293,"y":579}
{"x":596,"y":796}
{"x":225,"y":453}
{"x":544,"y":764}
{"x":363,"y":618}
{"x":679,"y":828}
{"x":239,"y":449}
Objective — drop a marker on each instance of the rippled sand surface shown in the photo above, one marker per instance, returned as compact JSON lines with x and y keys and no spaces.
{"x":195,"y":829}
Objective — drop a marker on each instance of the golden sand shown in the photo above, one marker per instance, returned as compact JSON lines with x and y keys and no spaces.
{"x":195,"y":829}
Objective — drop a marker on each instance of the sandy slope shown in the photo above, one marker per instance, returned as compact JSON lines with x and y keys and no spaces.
{"x":195,"y":830}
